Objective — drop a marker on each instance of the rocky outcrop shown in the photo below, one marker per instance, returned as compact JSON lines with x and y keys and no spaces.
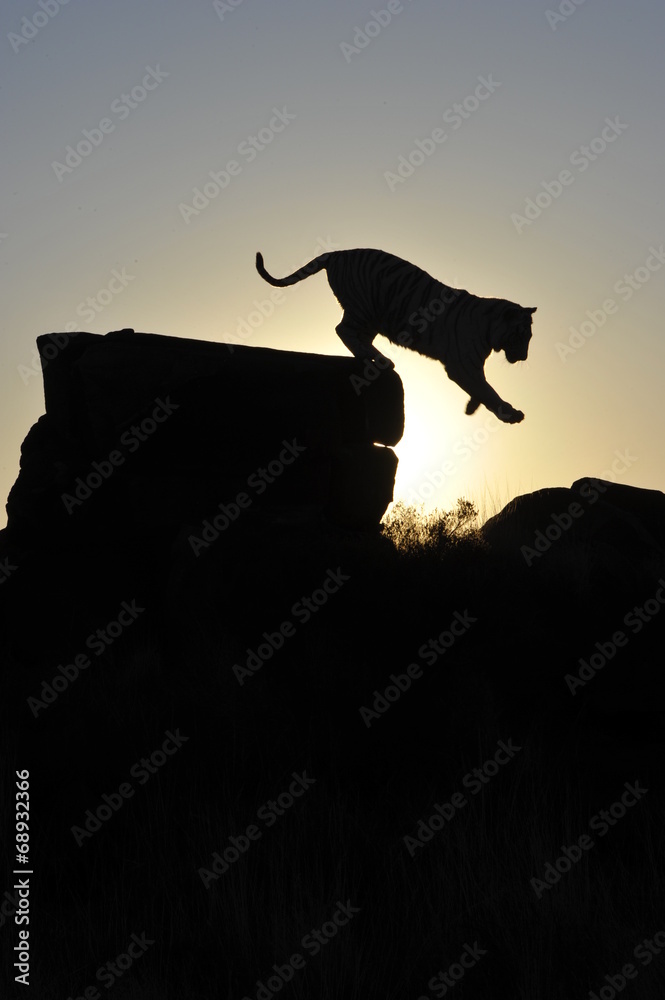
{"x":151,"y":431}
{"x":620,"y":528}
{"x":588,"y":562}
{"x":147,"y":439}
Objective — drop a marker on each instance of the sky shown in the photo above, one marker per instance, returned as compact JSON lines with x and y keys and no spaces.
{"x":514,"y":150}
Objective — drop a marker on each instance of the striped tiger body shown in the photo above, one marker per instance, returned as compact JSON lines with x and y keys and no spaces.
{"x":381,"y":293}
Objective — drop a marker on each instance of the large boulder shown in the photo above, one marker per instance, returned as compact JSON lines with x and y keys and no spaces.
{"x":150,"y":431}
{"x":589,"y":563}
{"x":619,"y":529}
{"x":150,"y":440}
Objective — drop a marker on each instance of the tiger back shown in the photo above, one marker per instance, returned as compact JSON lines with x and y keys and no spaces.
{"x":384,"y":294}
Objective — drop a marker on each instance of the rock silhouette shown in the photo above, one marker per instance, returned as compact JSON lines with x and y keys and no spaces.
{"x":598,"y":550}
{"x":616,"y":528}
{"x":148,"y":438}
{"x":184,"y":423}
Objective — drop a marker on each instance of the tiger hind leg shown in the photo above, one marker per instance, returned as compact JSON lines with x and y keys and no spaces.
{"x":359,"y":342}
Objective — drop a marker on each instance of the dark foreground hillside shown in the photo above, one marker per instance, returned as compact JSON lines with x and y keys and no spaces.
{"x":255,"y":742}
{"x":335,"y":762}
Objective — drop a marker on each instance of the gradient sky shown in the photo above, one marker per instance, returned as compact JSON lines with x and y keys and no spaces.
{"x":219,"y":71}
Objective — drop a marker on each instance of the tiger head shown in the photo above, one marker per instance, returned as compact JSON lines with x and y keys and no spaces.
{"x":512,"y":332}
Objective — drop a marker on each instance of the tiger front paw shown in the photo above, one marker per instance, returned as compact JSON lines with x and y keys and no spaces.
{"x":509,"y":415}
{"x":472,"y":405}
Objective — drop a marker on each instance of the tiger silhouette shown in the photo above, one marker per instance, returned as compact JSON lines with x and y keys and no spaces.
{"x":381,"y":293}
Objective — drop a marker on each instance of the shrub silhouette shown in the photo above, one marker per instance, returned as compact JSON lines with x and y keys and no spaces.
{"x":413,"y":532}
